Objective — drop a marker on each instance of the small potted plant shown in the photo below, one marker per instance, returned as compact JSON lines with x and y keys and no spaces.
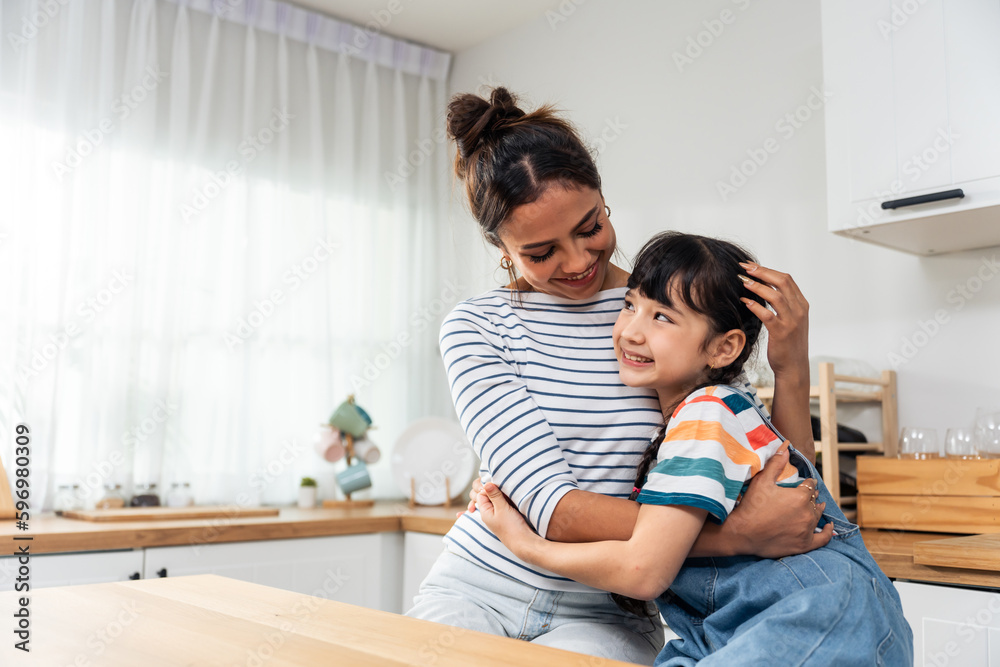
{"x":307,"y":493}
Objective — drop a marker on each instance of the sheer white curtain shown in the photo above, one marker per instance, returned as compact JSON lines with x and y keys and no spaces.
{"x":220,"y":219}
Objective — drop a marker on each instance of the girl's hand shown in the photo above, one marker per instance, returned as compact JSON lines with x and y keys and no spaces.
{"x":788,"y":325}
{"x":477,"y":487}
{"x":503,"y":518}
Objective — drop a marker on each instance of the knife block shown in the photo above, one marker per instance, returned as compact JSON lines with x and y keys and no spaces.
{"x":6,"y":497}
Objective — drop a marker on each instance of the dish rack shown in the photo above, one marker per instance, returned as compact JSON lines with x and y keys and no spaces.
{"x":827,"y":447}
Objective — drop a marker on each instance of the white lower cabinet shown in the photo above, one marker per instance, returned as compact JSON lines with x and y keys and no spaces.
{"x":362,"y":570}
{"x":95,"y":567}
{"x":956,"y":627}
{"x":420,"y":551}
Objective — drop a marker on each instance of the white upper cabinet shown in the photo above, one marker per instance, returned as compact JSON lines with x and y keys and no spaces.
{"x":914,"y":112}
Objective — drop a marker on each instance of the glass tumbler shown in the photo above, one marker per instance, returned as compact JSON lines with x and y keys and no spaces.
{"x":959,"y":444}
{"x":987,"y":434}
{"x":919,"y":443}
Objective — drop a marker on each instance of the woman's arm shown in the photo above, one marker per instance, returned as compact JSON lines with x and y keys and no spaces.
{"x":507,"y":429}
{"x":781,"y":523}
{"x":641,"y":567}
{"x":771,"y":521}
{"x":787,"y":352}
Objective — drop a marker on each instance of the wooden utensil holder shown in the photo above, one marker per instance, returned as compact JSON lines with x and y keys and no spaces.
{"x":348,"y":504}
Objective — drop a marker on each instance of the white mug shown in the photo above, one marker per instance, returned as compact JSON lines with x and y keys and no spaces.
{"x":366,"y":450}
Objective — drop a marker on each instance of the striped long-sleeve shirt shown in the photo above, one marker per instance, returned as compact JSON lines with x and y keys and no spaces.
{"x":536,"y":389}
{"x":714,"y":443}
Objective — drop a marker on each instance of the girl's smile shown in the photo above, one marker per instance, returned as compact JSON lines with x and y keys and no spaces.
{"x":668,"y":348}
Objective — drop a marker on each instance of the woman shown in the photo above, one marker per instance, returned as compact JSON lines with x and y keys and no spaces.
{"x":534,"y":378}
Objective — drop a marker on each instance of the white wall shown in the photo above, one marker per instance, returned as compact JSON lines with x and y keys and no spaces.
{"x":610,"y":64}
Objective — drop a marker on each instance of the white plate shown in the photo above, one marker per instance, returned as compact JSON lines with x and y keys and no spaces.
{"x":430,"y":451}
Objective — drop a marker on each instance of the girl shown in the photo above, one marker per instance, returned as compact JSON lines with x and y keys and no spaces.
{"x":686,"y":330}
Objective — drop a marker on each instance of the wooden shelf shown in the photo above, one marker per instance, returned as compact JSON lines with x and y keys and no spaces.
{"x":829,"y":395}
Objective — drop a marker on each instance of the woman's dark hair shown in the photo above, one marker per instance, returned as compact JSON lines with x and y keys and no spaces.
{"x":507,"y":157}
{"x":702,"y":273}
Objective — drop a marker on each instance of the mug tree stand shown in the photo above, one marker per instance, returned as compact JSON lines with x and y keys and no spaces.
{"x":348,"y":503}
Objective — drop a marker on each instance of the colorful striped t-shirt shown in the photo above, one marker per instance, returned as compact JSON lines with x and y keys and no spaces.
{"x":715,"y":441}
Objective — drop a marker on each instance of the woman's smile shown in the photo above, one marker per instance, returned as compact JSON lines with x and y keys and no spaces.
{"x":581,"y":280}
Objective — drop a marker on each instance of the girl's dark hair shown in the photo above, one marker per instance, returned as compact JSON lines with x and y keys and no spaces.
{"x":507,"y":157}
{"x":702,"y":273}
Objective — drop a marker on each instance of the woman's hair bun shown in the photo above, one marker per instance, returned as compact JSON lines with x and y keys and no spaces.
{"x":473,"y":119}
{"x":507,"y":157}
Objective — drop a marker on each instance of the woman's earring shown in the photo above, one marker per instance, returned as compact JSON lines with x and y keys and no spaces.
{"x":607,"y":211}
{"x":508,"y":265}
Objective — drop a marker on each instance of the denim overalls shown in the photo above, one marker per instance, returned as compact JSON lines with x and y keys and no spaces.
{"x":831,"y":606}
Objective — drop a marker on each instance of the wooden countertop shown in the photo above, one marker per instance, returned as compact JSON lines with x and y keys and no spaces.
{"x":55,"y":534}
{"x":927,"y":557}
{"x":211,"y":620}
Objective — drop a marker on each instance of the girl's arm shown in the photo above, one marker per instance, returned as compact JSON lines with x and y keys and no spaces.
{"x":641,"y":567}
{"x":787,"y":352}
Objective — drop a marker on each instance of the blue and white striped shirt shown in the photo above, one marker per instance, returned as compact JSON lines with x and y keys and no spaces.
{"x":536,"y":389}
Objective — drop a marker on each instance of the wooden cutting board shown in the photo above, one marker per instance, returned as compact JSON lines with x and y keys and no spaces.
{"x":166,"y":513}
{"x":976,"y":552}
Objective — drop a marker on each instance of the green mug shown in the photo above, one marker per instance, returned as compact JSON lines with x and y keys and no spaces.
{"x":349,"y":418}
{"x":354,"y":478}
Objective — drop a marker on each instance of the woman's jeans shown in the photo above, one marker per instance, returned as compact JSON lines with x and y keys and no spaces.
{"x":465,"y":595}
{"x":831,"y":606}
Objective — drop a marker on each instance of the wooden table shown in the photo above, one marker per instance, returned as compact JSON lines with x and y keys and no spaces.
{"x":212,"y":620}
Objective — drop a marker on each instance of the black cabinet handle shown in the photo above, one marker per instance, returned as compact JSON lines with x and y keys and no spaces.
{"x":923,"y":199}
{"x":162,"y":572}
{"x":133,"y":576}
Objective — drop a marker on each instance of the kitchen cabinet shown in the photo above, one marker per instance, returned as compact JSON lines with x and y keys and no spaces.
{"x":420,"y":551}
{"x":914,"y":97}
{"x":74,"y":568}
{"x":363,"y":570}
{"x":952,"y":626}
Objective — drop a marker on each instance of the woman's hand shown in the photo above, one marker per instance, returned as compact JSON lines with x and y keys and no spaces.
{"x":779,"y":521}
{"x":503,"y":518}
{"x":787,"y":351}
{"x":788,"y":325}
